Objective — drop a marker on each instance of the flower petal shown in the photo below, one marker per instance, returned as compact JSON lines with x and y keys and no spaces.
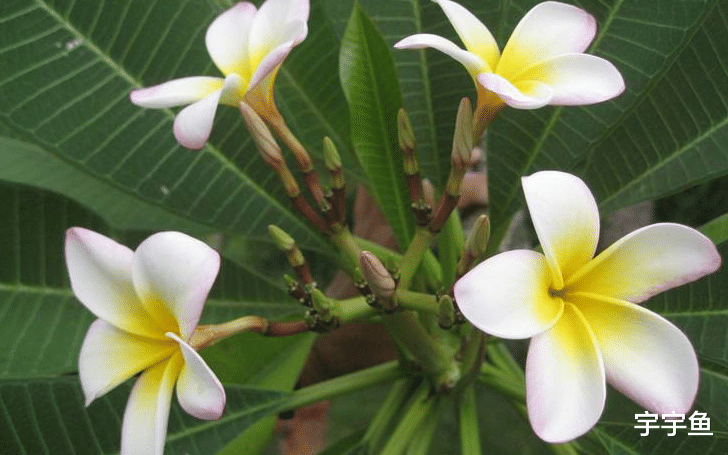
{"x":566,"y":220}
{"x":277,"y":22}
{"x":646,"y":357}
{"x":577,"y":79}
{"x":144,"y":429}
{"x":525,"y":95}
{"x":173,"y":274}
{"x":474,"y":64}
{"x":100,"y":273}
{"x":508,"y":295}
{"x":177,"y":92}
{"x":547,"y":30}
{"x":193,"y":124}
{"x":110,"y":356}
{"x":475,"y":36}
{"x":227,"y":39}
{"x":565,"y":381}
{"x":648,"y":261}
{"x":199,"y":392}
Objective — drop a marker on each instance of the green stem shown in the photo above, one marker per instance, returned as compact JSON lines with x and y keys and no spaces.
{"x":343,"y":384}
{"x":417,"y":301}
{"x":382,"y":421}
{"x":413,"y":256}
{"x":437,"y":363}
{"x":350,"y":252}
{"x":420,"y":444}
{"x":420,"y":407}
{"x":468,"y":421}
{"x":355,"y":309}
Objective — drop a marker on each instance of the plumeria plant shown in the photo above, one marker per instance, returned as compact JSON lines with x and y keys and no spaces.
{"x":170,"y":284}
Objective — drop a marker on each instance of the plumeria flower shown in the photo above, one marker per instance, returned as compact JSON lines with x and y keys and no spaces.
{"x":580,"y":311}
{"x":542,"y":63}
{"x":248,"y":46}
{"x":148,"y":303}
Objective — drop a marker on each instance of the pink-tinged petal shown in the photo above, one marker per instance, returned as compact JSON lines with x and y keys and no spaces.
{"x":277,"y":22}
{"x":565,"y":380}
{"x":227,"y":39}
{"x":199,"y":392}
{"x":193,"y":124}
{"x":177,"y":92}
{"x":144,"y":428}
{"x":173,"y":274}
{"x":524,"y":95}
{"x":547,"y":30}
{"x":508,"y":295}
{"x":577,"y":79}
{"x":110,"y":356}
{"x":470,"y":61}
{"x":648,"y":261}
{"x":565,"y":216}
{"x":646,"y":357}
{"x":270,"y":64}
{"x":100,"y":273}
{"x":475,"y":36}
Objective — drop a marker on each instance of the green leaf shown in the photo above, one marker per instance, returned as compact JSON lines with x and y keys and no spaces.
{"x":48,"y":416}
{"x":371,"y":86}
{"x":717,"y":229}
{"x":664,"y":133}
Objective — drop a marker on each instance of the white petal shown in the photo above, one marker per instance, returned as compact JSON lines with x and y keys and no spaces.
{"x":199,"y":392}
{"x":193,"y":124}
{"x":547,"y":30}
{"x":100,"y":273}
{"x":565,"y":382}
{"x":277,"y":22}
{"x":177,"y":92}
{"x":648,"y":261}
{"x":507,"y":295}
{"x":470,"y":61}
{"x":526,"y":95}
{"x":646,"y":357}
{"x":566,"y":220}
{"x":475,"y":36}
{"x":144,"y":429}
{"x":173,"y":274}
{"x":227,"y":39}
{"x":270,"y":64}
{"x":577,"y":79}
{"x":110,"y":356}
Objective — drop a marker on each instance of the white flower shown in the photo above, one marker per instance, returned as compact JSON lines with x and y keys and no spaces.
{"x":148,"y":303}
{"x":248,"y":45}
{"x":580,"y":311}
{"x":542,"y":63}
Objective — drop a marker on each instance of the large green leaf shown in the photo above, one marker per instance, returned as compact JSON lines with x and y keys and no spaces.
{"x":372,"y":90}
{"x":48,"y":417}
{"x":663,"y":134}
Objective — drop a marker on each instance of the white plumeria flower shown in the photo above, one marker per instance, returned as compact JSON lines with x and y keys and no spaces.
{"x":148,"y":303}
{"x":248,"y":45}
{"x":580,"y":311}
{"x":542,"y":63}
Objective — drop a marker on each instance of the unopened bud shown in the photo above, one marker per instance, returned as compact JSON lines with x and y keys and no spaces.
{"x":462,"y":141}
{"x":380,"y":281}
{"x":478,"y":238}
{"x":332,"y":161}
{"x":407,"y":140}
{"x":267,"y":146}
{"x":446,"y":312}
{"x":286,"y":243}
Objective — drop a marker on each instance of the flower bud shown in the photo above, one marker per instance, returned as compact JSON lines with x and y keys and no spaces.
{"x":380,"y":281}
{"x":267,"y":146}
{"x":286,"y":243}
{"x":407,"y":143}
{"x":462,"y":142}
{"x":332,"y":161}
{"x":478,"y":238}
